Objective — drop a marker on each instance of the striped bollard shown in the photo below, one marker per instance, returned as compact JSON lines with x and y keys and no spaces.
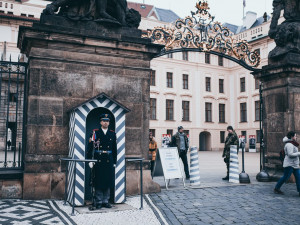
{"x":234,"y":165}
{"x":194,"y":168}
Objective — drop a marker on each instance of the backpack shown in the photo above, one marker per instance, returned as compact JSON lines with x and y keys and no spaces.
{"x":282,"y":155}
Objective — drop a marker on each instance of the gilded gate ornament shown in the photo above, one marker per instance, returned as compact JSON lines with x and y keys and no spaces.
{"x":200,"y":31}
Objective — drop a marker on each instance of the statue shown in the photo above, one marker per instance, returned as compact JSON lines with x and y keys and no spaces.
{"x":287,"y":34}
{"x":101,"y":11}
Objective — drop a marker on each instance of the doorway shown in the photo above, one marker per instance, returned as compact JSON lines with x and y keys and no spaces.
{"x":205,"y":141}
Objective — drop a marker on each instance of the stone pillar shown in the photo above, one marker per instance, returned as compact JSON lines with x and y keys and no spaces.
{"x":281,"y":81}
{"x":70,"y":63}
{"x":281,"y":98}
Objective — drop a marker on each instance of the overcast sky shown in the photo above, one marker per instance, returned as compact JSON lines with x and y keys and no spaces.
{"x":230,"y":11}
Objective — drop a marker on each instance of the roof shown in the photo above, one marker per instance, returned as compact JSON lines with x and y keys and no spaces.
{"x":259,"y":21}
{"x":143,"y":9}
{"x":233,"y":28}
{"x":239,"y":29}
{"x":101,"y":96}
{"x":166,"y":15}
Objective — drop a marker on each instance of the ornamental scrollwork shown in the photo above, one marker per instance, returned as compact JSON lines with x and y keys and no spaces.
{"x":200,"y":31}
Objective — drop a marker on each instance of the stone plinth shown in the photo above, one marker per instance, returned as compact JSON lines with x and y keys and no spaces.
{"x":281,"y":98}
{"x":67,"y":66}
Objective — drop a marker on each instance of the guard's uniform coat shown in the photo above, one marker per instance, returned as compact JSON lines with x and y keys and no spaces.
{"x":104,"y":169}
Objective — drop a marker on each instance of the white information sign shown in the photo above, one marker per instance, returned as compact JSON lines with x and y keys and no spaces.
{"x":170,"y":163}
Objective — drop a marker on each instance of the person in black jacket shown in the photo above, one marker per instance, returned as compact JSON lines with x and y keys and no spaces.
{"x":103,"y":147}
{"x":180,"y":141}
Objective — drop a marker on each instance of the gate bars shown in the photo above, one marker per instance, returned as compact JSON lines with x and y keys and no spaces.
{"x":13,"y":78}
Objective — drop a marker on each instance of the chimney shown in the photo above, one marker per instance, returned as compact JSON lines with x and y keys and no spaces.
{"x":249,"y":19}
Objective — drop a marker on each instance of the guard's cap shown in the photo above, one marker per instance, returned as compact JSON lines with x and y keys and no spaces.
{"x":105,"y":117}
{"x":229,"y":128}
{"x":180,"y":127}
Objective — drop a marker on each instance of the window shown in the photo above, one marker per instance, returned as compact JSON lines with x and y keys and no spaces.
{"x":22,"y":14}
{"x":185,"y":81}
{"x":208,"y":112}
{"x":169,"y":109}
{"x":220,"y":61}
{"x":256,"y":84}
{"x":169,"y":80}
{"x":257,"y":136}
{"x":221,"y":85}
{"x":13,"y":97}
{"x":207,"y":84}
{"x":11,"y":6}
{"x":1,"y":11}
{"x":207,"y":58}
{"x":30,"y":15}
{"x":152,"y":131}
{"x":222,"y":136}
{"x":10,"y":13}
{"x":152,"y":108}
{"x":243,"y":108}
{"x":170,"y":55}
{"x":185,"y":110}
{"x":185,"y":55}
{"x":152,"y":78}
{"x":5,"y":5}
{"x":243,"y":84}
{"x":170,"y":132}
{"x":257,"y":110}
{"x":0,"y":4}
{"x":244,"y":133}
{"x":222,"y":113}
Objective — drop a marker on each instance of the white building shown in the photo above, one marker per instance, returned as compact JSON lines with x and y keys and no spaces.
{"x":203,"y":93}
{"x":206,"y":93}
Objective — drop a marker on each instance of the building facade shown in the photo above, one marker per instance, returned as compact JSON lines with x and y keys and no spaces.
{"x":204,"y":93}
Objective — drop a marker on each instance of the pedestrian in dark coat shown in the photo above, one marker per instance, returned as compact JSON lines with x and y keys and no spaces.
{"x":231,"y":139}
{"x":103,"y":149}
{"x":180,"y":141}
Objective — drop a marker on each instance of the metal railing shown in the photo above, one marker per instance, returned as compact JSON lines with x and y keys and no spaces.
{"x":129,"y":159}
{"x":13,"y":78}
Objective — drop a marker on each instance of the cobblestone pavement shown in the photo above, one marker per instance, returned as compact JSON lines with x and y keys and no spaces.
{"x":55,"y":212}
{"x":247,"y":204}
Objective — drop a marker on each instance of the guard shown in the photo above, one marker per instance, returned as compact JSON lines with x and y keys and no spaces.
{"x":102,"y":147}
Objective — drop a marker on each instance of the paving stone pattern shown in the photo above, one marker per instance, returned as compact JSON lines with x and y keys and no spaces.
{"x":32,"y":212}
{"x":249,"y":204}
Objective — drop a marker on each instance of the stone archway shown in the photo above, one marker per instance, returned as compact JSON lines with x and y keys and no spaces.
{"x":204,"y":141}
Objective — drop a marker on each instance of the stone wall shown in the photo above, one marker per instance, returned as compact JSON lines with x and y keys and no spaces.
{"x":68,"y":66}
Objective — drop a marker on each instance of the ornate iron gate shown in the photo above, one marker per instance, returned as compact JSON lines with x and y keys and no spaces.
{"x":13,"y":76}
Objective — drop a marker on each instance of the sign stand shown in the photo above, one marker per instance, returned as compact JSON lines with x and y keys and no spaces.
{"x":167,"y":165}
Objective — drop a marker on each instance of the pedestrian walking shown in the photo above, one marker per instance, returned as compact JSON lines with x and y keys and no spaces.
{"x":231,"y":139}
{"x":180,"y":141}
{"x":152,"y":150}
{"x":291,"y":162}
{"x":103,"y":149}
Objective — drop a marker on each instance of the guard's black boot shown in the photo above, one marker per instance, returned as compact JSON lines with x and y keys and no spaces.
{"x":106,"y":205}
{"x":225,"y":178}
{"x":99,"y":206}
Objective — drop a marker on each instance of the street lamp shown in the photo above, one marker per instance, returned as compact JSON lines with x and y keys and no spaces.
{"x":263,"y":175}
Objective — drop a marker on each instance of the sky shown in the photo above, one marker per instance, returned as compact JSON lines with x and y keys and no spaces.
{"x":230,"y":11}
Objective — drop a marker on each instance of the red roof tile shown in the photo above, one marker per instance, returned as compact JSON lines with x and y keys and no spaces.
{"x":143,"y":9}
